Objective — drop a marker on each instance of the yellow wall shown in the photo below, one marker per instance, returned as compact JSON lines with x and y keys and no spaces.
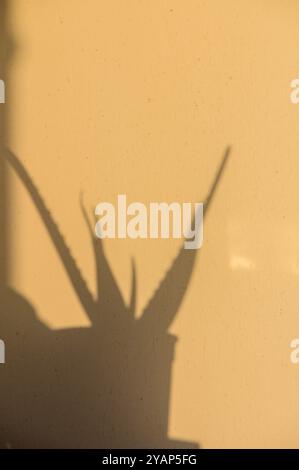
{"x":142,"y":98}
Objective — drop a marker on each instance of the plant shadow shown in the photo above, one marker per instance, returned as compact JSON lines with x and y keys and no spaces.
{"x":107,"y":386}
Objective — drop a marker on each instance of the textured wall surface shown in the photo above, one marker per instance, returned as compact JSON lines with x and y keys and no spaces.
{"x":142,"y":98}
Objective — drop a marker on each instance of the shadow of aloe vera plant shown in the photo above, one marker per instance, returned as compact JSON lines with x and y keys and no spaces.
{"x":107,"y":386}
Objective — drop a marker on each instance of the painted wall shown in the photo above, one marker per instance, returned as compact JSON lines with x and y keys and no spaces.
{"x":142,"y":98}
